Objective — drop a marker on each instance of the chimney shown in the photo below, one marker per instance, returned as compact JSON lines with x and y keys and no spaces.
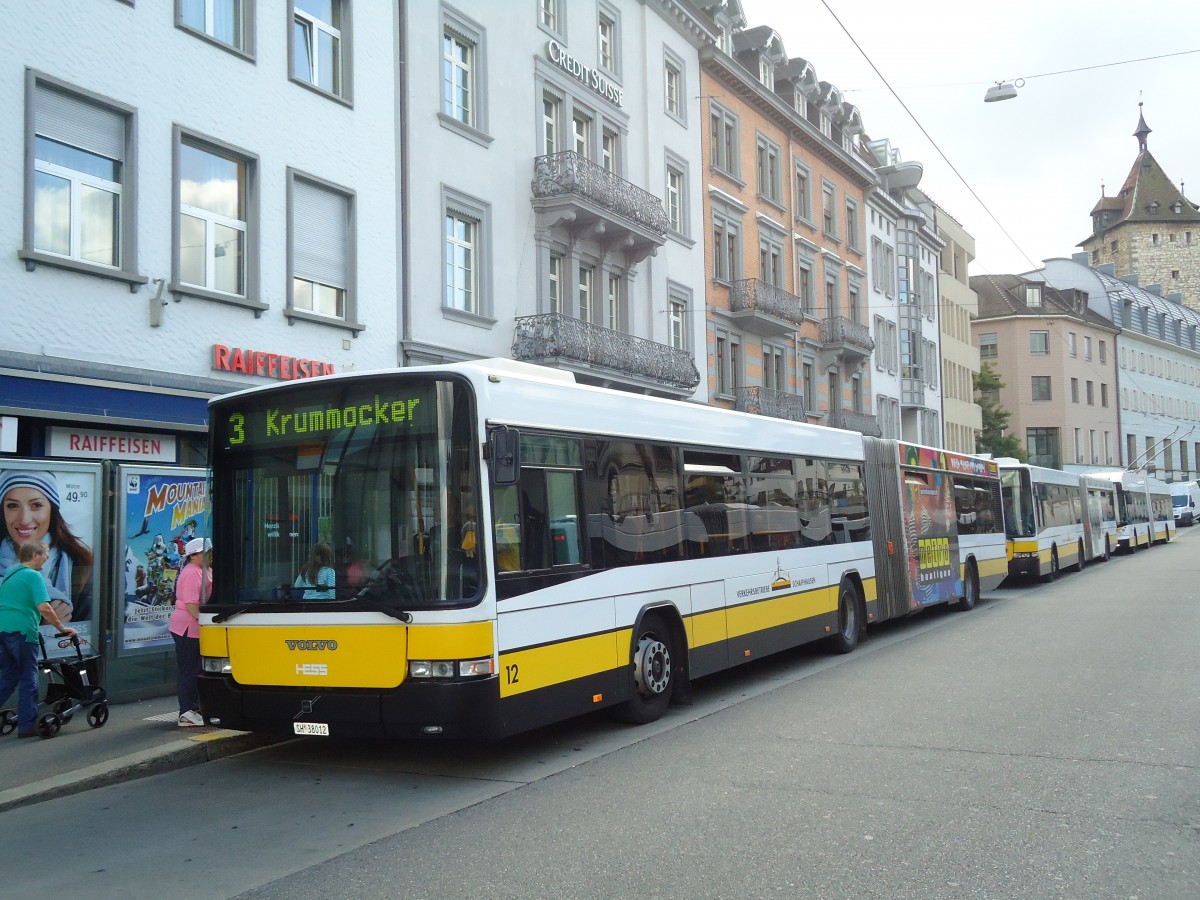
{"x":1081,"y":258}
{"x":1107,"y":269}
{"x":1155,"y":289}
{"x":1131,"y":278}
{"x":1175,"y":297}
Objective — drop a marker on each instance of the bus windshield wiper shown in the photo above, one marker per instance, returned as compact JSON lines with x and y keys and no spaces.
{"x":365,"y":600}
{"x":265,"y":607}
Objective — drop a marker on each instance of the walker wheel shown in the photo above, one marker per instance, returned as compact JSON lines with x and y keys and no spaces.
{"x":48,"y":725}
{"x":98,"y":715}
{"x":8,"y":722}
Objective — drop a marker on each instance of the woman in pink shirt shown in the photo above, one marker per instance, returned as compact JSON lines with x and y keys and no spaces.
{"x":192,"y":587}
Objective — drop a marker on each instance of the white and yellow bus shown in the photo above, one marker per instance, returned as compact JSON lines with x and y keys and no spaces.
{"x":1100,"y":531}
{"x":512,"y":548}
{"x":1145,"y":511}
{"x":1043,"y":518}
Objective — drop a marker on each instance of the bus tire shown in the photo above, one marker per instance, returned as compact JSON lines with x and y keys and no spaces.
{"x":652,"y":671}
{"x":1053,"y":573}
{"x":850,"y":618}
{"x":970,"y":596}
{"x":1107,"y":549}
{"x":1082,"y":560}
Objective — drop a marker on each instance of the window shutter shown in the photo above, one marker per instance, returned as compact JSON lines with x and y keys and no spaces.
{"x":70,"y":120}
{"x":320,"y":222}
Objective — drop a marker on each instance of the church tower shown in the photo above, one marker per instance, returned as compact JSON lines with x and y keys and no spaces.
{"x":1149,"y":229}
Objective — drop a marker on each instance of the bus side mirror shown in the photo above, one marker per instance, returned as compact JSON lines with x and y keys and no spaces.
{"x":504,"y":455}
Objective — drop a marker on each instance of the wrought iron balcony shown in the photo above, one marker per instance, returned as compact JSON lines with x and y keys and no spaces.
{"x":847,"y":338}
{"x":849,"y":420}
{"x":765,"y":402}
{"x":603,"y":352}
{"x":764,"y":308}
{"x":571,"y":190}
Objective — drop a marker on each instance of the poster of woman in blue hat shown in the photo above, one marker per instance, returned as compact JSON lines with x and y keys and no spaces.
{"x":40,"y":505}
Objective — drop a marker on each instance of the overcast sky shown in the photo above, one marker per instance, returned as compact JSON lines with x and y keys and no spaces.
{"x":1036,"y":162}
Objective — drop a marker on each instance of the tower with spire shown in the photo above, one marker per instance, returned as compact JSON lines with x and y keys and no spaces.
{"x":1149,"y":228}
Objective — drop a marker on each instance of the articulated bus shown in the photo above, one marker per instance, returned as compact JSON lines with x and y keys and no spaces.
{"x":1100,"y":532}
{"x":1145,"y":511}
{"x":1043,"y":518}
{"x":511,"y":548}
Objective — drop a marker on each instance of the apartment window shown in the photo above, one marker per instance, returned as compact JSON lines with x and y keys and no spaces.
{"x":1039,"y":343}
{"x":587,"y":289}
{"x":1043,"y":447}
{"x":322,"y":233}
{"x":803,"y":199}
{"x":1071,"y":343}
{"x":548,"y":15}
{"x":1078,"y":445}
{"x":551,"y":111}
{"x":1074,"y":390}
{"x":609,"y":38}
{"x":581,"y":134}
{"x":989,"y":346}
{"x":723,"y":140}
{"x":608,"y":151}
{"x":317,"y":49}
{"x":555,"y":276}
{"x":1112,"y":248}
{"x":677,"y":311}
{"x":613,"y":302}
{"x":853,"y":303}
{"x":1130,"y":448}
{"x":466,"y":254}
{"x":673,"y":87}
{"x":1103,"y":394}
{"x":728,"y":362}
{"x":1095,"y":256}
{"x":832,"y":306}
{"x":852,"y":225}
{"x":769,"y":176}
{"x":828,"y":214}
{"x":1091,"y":397}
{"x":464,"y":77}
{"x":1103,"y":353}
{"x":774,"y":368}
{"x":804,"y":285}
{"x":226,"y":22}
{"x":77,"y":211}
{"x":1033,"y":296}
{"x":727,"y":249}
{"x":1041,"y":387}
{"x":675,"y":199}
{"x":213,"y":198}
{"x":1087,"y":347}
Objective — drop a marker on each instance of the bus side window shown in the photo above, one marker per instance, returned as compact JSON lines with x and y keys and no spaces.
{"x":506,"y":521}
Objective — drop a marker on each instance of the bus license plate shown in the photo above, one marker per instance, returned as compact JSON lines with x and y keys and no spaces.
{"x":317,"y":728}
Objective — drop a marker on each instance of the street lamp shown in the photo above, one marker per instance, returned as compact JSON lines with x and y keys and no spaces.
{"x":1003,"y":90}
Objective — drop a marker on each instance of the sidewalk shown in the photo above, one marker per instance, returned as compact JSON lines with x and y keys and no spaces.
{"x":139,"y":739}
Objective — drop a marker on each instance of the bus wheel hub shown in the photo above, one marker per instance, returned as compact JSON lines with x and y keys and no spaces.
{"x":651,"y":666}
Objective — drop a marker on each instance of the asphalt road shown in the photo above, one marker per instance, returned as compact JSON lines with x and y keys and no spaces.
{"x":1042,"y":746}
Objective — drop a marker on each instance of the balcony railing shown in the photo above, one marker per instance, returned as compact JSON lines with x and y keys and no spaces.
{"x":554,"y":336}
{"x":838,"y":330}
{"x":570,"y":173}
{"x":766,"y":402}
{"x":755,"y":295}
{"x":849,"y":420}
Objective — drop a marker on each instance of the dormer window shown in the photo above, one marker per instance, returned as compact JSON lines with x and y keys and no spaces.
{"x":1177,"y":207}
{"x":1033,"y":296}
{"x":1154,"y":208}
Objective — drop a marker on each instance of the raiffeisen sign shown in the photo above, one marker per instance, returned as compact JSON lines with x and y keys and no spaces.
{"x":593,"y":78}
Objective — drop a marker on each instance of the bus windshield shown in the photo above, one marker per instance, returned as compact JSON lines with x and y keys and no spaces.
{"x":357,"y":491}
{"x":1018,"y":503}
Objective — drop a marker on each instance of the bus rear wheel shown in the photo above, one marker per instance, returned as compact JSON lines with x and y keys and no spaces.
{"x":1053,"y":573}
{"x":970,"y":589}
{"x":1081,"y":561}
{"x":652,"y":672}
{"x":849,"y":628}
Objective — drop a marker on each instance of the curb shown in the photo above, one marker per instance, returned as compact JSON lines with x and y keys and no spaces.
{"x":174,"y":755}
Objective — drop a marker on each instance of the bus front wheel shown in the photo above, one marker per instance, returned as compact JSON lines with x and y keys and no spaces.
{"x":1053,"y":573}
{"x":653,"y":673}
{"x":1082,"y":560}
{"x":849,"y":627}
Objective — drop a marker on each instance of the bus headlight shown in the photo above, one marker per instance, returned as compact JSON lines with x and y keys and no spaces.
{"x":219,"y":665}
{"x":448,"y":668}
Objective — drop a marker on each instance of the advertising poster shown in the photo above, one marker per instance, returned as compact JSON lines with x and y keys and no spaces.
{"x":57,"y":504}
{"x":932,"y":538}
{"x":161,"y":510}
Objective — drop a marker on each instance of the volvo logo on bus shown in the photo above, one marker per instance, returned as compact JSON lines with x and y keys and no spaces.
{"x":311,"y":645}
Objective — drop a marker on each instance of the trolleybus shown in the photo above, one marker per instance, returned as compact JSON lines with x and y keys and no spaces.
{"x":511,"y":548}
{"x":1043,"y":518}
{"x":1145,"y":511}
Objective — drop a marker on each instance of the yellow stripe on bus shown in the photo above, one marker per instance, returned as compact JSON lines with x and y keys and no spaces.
{"x":783,"y":610}
{"x":551,"y":664}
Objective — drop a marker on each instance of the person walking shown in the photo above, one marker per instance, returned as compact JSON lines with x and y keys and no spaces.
{"x":192,"y":587}
{"x":24,"y":602}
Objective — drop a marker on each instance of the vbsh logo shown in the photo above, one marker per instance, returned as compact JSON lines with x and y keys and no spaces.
{"x":311,"y":645}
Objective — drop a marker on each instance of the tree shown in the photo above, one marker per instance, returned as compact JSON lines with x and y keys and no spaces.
{"x":992,"y":438}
